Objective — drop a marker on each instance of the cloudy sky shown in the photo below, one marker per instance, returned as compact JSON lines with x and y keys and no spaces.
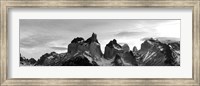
{"x":40,"y":36}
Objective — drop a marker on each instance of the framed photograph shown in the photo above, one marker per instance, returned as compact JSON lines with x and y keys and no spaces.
{"x":99,"y":42}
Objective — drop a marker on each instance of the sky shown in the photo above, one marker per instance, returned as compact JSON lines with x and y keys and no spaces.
{"x":40,"y":36}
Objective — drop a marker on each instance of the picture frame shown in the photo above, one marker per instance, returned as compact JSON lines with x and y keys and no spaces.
{"x":7,"y":4}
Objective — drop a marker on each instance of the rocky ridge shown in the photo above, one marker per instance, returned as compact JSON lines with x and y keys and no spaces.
{"x":87,"y":52}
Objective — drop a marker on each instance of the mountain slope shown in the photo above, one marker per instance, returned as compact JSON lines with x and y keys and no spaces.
{"x":153,"y":52}
{"x":156,"y":53}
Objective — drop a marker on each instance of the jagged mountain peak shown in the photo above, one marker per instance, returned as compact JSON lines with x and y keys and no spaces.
{"x":135,"y":49}
{"x":113,"y":43}
{"x":91,"y":39}
{"x":125,"y":47}
{"x":165,"y":40}
{"x":156,"y":52}
{"x":25,"y":61}
{"x":91,"y":45}
{"x":77,"y":40}
{"x":153,"y":52}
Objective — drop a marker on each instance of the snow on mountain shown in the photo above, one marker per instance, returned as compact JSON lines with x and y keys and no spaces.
{"x":153,"y":52}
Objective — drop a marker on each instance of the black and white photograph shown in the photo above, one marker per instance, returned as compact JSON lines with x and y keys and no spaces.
{"x":99,"y":42}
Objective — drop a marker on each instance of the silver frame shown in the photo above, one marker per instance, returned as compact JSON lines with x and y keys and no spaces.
{"x":5,"y":5}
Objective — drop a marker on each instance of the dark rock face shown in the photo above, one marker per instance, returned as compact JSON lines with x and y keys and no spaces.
{"x":26,"y":62}
{"x":93,"y":38}
{"x":113,"y":43}
{"x":129,"y":58}
{"x":79,"y":51}
{"x":117,"y":61}
{"x":156,"y":53}
{"x":77,"y":40}
{"x":175,"y":46}
{"x":75,"y":43}
{"x":115,"y":50}
{"x":72,"y":48}
{"x":91,"y":44}
{"x":42,"y":59}
{"x":135,"y":49}
{"x":95,"y":48}
{"x":50,"y":59}
{"x":125,"y":47}
{"x":79,"y":61}
{"x":32,"y":60}
{"x":109,"y":53}
{"x":111,"y":49}
{"x":175,"y":53}
{"x":146,"y":45}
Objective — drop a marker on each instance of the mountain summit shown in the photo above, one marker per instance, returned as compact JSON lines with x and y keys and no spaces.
{"x":81,"y":52}
{"x":154,"y":52}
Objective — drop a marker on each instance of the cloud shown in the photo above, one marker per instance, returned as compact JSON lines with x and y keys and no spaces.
{"x":66,"y":25}
{"x":59,"y":48}
{"x":126,"y":33}
{"x":36,"y":41}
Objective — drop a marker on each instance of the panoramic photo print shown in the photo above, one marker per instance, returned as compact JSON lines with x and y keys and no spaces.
{"x":99,"y":42}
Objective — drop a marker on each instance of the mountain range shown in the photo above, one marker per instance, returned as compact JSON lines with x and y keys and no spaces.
{"x":154,"y":52}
